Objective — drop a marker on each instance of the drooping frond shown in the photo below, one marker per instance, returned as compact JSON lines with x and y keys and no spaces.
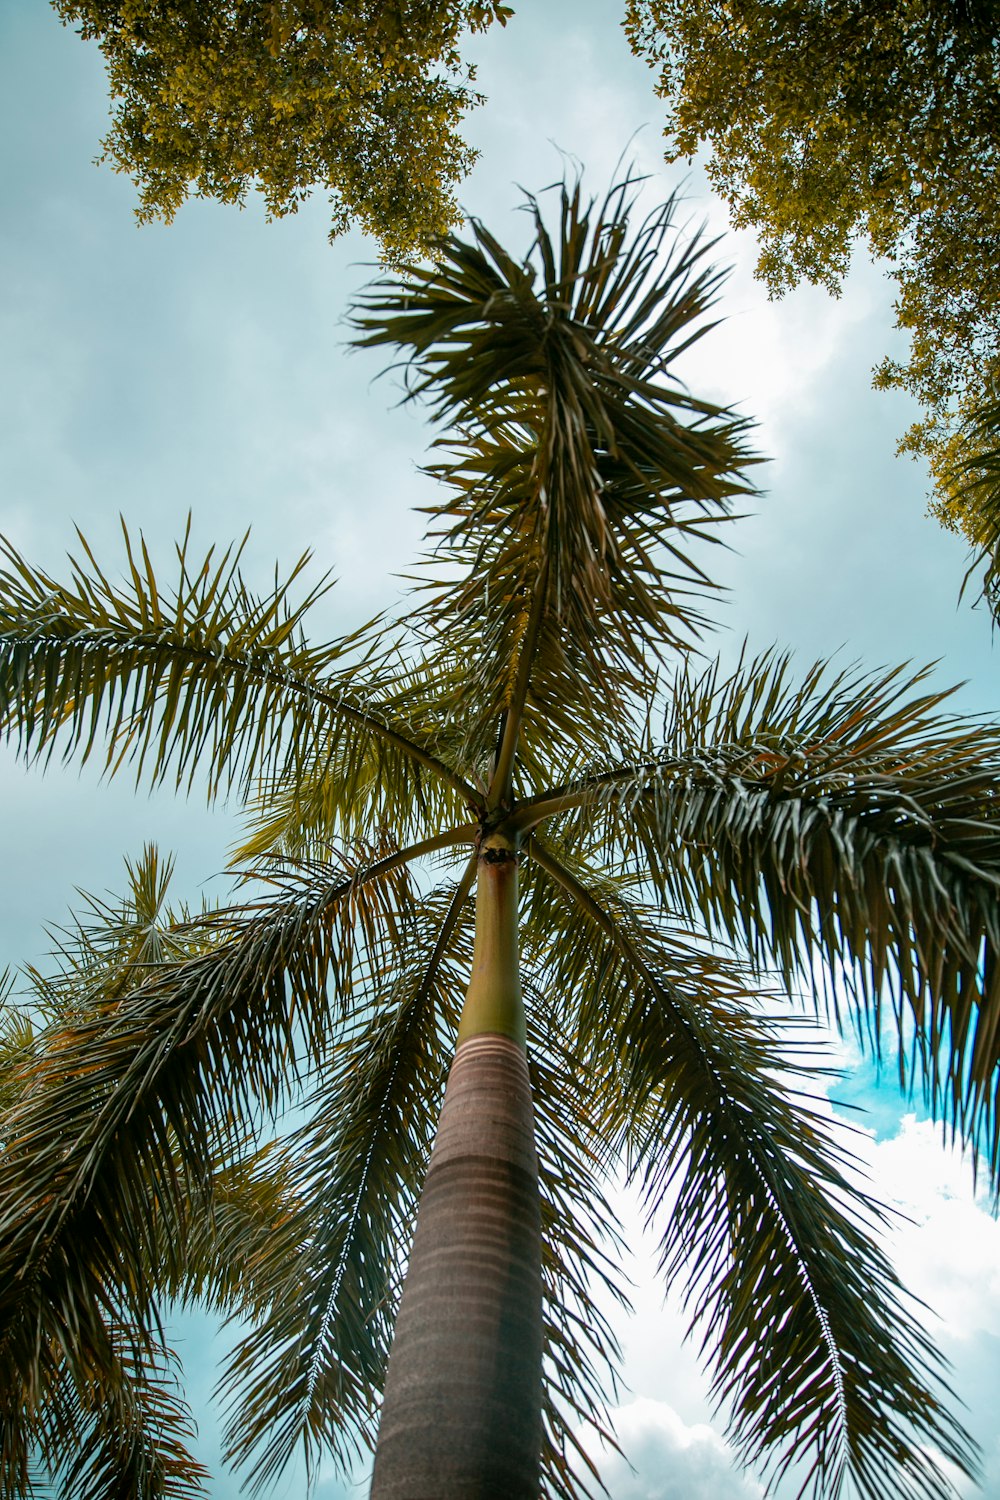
{"x":759,"y":1210}
{"x":124,"y":1434}
{"x":121,"y":1115}
{"x":581,"y":469}
{"x":842,"y":826}
{"x":581,"y":1255}
{"x":325,"y":1285}
{"x":246,"y":1201}
{"x":199,"y":679}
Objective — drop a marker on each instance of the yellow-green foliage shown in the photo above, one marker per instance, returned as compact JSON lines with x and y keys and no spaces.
{"x":831,"y":120}
{"x":362,"y":98}
{"x":966,"y":470}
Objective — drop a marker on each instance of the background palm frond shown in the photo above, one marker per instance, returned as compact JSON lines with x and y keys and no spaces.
{"x":113,"y":944}
{"x":125,"y":1433}
{"x":121,"y":1116}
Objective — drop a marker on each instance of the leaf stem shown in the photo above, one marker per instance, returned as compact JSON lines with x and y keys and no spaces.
{"x":557,"y":799}
{"x":500,"y":784}
{"x":295,"y":686}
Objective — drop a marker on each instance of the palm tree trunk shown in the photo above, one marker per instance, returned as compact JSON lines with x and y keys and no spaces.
{"x":461,"y":1419}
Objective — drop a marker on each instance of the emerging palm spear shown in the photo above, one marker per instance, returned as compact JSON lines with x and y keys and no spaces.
{"x":507,"y":738}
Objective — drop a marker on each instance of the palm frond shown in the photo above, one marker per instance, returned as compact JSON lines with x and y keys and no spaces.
{"x":310,"y":1371}
{"x":766,"y":1228}
{"x":849,"y":832}
{"x":199,"y":679}
{"x":246,"y":1202}
{"x":120,"y":1117}
{"x":343,"y":788}
{"x":18,"y":1033}
{"x":126,"y":1433}
{"x":111,"y":945}
{"x":580,"y":475}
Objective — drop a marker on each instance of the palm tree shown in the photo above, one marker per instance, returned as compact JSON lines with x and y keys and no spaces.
{"x":532,"y":789}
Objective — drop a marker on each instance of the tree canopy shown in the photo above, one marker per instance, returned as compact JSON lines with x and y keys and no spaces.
{"x":832,"y":121}
{"x":829,"y":122}
{"x":362,"y":99}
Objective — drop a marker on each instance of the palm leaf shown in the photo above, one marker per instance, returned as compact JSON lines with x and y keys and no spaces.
{"x":121,"y":1116}
{"x":344,"y":787}
{"x":580,"y":474}
{"x":842,"y":826}
{"x":766,"y":1228}
{"x":18,"y":1033}
{"x":124,"y":1435}
{"x":202,"y":678}
{"x":112,"y":945}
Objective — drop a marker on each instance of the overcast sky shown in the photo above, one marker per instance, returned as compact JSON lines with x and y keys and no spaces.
{"x":201,"y":368}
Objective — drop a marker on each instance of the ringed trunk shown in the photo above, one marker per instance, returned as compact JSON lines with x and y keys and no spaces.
{"x":461,"y":1418}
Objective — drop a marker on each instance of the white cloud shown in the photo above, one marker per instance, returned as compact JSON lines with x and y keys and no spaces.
{"x":666,"y":1456}
{"x":945,"y":1245}
{"x":947,"y":1250}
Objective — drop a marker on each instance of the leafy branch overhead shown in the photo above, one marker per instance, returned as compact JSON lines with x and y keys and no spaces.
{"x":361,"y":99}
{"x":691,"y":842}
{"x":833,"y":123}
{"x":826,"y":123}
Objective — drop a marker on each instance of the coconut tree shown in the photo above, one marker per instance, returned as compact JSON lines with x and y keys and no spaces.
{"x":532,"y":790}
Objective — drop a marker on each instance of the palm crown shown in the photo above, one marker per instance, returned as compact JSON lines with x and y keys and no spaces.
{"x":688,"y":839}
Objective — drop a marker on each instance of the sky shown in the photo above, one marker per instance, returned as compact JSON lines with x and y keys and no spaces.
{"x":201,"y":368}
